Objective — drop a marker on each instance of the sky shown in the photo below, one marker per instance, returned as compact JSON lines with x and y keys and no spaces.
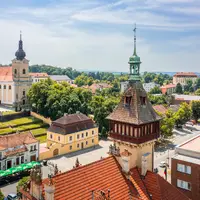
{"x":98,"y":34}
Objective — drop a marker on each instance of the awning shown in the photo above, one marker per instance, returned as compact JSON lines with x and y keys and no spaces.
{"x":18,"y":168}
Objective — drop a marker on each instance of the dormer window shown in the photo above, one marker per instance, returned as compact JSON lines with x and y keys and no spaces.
{"x":143,"y":100}
{"x":127,"y":101}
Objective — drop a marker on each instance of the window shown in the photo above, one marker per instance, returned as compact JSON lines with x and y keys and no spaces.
{"x":22,"y":159}
{"x":82,"y":135}
{"x":24,"y":93}
{"x":92,"y":132}
{"x":184,"y":168}
{"x":51,"y":136}
{"x":15,"y":71}
{"x":70,"y":147}
{"x":78,"y":145}
{"x":9,"y":87}
{"x":86,"y":134}
{"x":4,"y":87}
{"x":127,"y":101}
{"x":24,"y":71}
{"x":35,"y":147}
{"x":92,"y":140}
{"x":143,"y":100}
{"x":70,"y":138}
{"x":31,"y":148}
{"x":86,"y":142}
{"x":183,"y":184}
{"x":58,"y":138}
{"x":0,"y":155}
{"x":16,"y":96}
{"x":0,"y":86}
{"x":78,"y":136}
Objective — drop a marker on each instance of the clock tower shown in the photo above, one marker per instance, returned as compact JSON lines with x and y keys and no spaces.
{"x":134,"y":126}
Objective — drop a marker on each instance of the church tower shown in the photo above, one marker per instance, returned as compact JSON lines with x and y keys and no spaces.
{"x":21,"y":78}
{"x":133,"y":125}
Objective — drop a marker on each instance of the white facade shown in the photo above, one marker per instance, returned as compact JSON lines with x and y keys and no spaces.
{"x":38,"y":79}
{"x":30,"y":154}
{"x":149,"y":86}
{"x":123,"y":86}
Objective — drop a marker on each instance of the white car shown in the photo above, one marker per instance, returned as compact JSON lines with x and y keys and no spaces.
{"x":163,"y":164}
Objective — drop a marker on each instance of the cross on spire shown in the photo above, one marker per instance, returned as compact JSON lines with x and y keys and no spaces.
{"x":20,"y":35}
{"x":134,"y":30}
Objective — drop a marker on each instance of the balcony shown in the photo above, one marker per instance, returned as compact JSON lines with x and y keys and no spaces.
{"x":134,"y":140}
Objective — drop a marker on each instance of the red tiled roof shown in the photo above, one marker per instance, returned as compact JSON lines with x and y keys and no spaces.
{"x":78,"y":183}
{"x":156,"y":187}
{"x":39,"y":74}
{"x":106,"y":175}
{"x":184,"y":74}
{"x":160,"y":109}
{"x":17,"y":139}
{"x":168,"y":86}
{"x":10,"y":153}
{"x":6,"y":73}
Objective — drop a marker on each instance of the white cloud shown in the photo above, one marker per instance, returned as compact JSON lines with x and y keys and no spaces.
{"x":64,"y":35}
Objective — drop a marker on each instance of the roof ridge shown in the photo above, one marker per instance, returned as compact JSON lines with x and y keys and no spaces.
{"x":143,"y":183}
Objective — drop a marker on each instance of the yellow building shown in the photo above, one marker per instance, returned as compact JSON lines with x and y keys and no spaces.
{"x":70,"y":133}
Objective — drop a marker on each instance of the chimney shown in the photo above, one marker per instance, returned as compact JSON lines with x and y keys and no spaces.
{"x":77,"y":112}
{"x":125,"y":161}
{"x":49,"y":189}
{"x":144,"y":165}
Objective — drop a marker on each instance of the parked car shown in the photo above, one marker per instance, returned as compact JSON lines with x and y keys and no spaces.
{"x":163,"y":164}
{"x":11,"y":197}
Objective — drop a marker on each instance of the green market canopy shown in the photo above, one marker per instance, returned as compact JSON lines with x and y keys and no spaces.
{"x":18,"y":168}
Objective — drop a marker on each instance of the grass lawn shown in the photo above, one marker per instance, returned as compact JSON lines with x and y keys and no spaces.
{"x":39,"y":131}
{"x":42,"y":139}
{"x":20,"y":121}
{"x":8,"y":112}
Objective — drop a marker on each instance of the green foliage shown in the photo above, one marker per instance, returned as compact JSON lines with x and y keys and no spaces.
{"x":195,"y":107}
{"x":1,"y":195}
{"x":23,"y":183}
{"x":155,"y":90}
{"x":179,"y":89}
{"x":157,"y":100}
{"x":51,"y":70}
{"x":83,"y":79}
{"x":167,"y":124}
{"x":189,"y":86}
{"x":183,"y":114}
{"x":197,"y":92}
{"x":198,"y":83}
{"x":42,"y":138}
{"x":157,"y":78}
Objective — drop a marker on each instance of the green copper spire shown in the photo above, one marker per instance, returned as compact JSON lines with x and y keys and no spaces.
{"x":134,"y":62}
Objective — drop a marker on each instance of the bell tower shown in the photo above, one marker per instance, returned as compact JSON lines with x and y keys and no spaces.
{"x":21,"y":78}
{"x":134,"y":126}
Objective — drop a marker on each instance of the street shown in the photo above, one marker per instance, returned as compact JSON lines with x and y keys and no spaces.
{"x":85,"y":156}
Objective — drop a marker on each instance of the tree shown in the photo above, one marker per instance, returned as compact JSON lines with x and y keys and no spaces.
{"x":179,"y":89}
{"x":157,"y":100}
{"x":155,"y":90}
{"x":195,"y":107}
{"x":183,"y":114}
{"x":198,"y":83}
{"x":1,"y":195}
{"x":197,"y":92}
{"x":167,"y":124}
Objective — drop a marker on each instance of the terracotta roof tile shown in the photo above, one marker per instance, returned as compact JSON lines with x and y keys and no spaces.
{"x":78,"y":184}
{"x":160,"y":109}
{"x":17,"y":139}
{"x":39,"y":74}
{"x":168,"y":86}
{"x":6,"y":73}
{"x":10,"y":153}
{"x":185,"y":74}
{"x":156,"y":187}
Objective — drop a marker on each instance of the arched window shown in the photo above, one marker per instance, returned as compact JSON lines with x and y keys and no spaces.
{"x":15,"y":71}
{"x":24,"y":71}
